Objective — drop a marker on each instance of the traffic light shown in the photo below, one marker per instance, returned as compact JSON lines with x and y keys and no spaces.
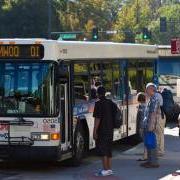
{"x":146,"y":34}
{"x":163,"y":24}
{"x":95,"y":36}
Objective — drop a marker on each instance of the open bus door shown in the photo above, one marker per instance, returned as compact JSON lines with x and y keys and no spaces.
{"x":65,"y":119}
{"x":65,"y":115}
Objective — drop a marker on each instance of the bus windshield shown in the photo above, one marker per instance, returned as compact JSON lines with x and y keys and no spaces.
{"x":26,"y":89}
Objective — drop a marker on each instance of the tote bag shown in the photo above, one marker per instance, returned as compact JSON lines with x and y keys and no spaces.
{"x":150,"y":140}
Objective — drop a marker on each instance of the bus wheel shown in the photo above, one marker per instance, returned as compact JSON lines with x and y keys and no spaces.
{"x":79,"y":146}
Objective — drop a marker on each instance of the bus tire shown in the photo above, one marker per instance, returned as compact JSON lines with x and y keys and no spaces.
{"x":79,"y":146}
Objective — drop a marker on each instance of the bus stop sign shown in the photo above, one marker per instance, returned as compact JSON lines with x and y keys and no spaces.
{"x":175,"y":46}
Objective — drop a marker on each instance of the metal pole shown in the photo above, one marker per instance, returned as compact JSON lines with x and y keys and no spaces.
{"x":137,"y":12}
{"x":49,"y":18}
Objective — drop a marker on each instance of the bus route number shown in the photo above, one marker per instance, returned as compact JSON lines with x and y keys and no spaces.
{"x":34,"y":51}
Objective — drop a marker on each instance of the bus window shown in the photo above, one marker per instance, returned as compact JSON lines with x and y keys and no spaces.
{"x":95,"y":78}
{"x":81,"y":82}
{"x":149,"y":72}
{"x":107,"y":79}
{"x":132,"y":74}
{"x":117,"y":82}
{"x":26,"y":89}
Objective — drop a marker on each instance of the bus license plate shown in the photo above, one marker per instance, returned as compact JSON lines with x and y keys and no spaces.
{"x":19,"y":131}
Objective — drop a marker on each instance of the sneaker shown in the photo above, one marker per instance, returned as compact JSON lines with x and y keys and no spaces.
{"x":150,"y":165}
{"x":111,"y":172}
{"x":144,"y":164}
{"x":104,"y":173}
{"x":160,"y":154}
{"x":142,"y":159}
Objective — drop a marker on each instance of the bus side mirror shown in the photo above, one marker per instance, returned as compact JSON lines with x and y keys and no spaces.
{"x":62,"y":73}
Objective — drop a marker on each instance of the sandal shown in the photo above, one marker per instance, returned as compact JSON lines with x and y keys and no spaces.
{"x":142,"y":159}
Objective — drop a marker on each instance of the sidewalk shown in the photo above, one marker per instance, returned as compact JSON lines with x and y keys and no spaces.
{"x":127,"y":168}
{"x":125,"y":165}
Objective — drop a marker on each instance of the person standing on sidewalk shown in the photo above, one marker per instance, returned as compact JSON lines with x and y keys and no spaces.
{"x":160,"y":126}
{"x":152,"y":114}
{"x":103,"y":131}
{"x":141,"y":98}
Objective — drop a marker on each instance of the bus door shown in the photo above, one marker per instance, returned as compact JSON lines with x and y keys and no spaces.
{"x":64,"y":116}
{"x":124,"y":86}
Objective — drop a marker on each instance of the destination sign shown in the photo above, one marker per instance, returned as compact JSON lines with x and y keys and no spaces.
{"x":23,"y":51}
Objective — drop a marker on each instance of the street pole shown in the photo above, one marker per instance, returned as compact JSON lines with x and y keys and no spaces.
{"x":137,"y":12}
{"x":49,"y":18}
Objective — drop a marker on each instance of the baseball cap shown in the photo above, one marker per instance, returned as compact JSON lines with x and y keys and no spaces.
{"x":151,"y":84}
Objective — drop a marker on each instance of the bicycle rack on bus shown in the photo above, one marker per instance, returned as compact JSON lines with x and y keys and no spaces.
{"x":22,"y":140}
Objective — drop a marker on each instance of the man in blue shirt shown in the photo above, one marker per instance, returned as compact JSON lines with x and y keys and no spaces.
{"x":152,"y":115}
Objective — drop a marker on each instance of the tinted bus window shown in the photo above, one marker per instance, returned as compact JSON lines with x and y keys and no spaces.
{"x":107,"y":79}
{"x":81,"y":82}
{"x":95,"y":78}
{"x":117,"y":81}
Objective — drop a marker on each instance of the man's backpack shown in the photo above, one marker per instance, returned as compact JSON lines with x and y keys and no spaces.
{"x":118,"y":119}
{"x":168,"y":101}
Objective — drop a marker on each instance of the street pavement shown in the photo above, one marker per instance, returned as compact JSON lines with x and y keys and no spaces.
{"x":125,"y":166}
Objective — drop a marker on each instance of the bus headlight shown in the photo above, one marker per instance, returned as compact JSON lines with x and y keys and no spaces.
{"x":45,"y":137}
{"x":40,"y":136}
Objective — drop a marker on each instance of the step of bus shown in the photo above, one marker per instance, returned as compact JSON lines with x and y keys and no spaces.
{"x":4,"y":153}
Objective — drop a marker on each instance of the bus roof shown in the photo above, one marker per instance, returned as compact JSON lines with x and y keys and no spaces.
{"x":80,"y":50}
{"x":165,"y":51}
{"x":73,"y":50}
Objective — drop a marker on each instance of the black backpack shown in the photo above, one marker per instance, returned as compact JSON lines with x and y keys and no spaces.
{"x":118,"y":119}
{"x":168,"y":101}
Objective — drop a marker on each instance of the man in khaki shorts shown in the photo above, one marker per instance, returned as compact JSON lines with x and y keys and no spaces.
{"x":160,"y":127}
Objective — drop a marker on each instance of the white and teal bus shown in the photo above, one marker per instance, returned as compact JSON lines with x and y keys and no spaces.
{"x":47,"y":93}
{"x":168,"y":71}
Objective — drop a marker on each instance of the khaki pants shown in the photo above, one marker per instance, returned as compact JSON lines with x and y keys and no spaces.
{"x":160,"y":135}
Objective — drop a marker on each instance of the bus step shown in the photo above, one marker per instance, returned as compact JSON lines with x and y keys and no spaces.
{"x":4,"y":154}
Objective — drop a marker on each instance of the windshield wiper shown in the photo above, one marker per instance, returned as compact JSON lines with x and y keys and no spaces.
{"x":20,"y":121}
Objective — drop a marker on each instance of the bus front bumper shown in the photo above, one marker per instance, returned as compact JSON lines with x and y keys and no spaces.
{"x":40,"y":153}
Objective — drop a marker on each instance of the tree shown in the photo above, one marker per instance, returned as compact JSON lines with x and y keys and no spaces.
{"x":171,"y":12}
{"x":132,"y":18}
{"x":83,"y":15}
{"x":24,"y":18}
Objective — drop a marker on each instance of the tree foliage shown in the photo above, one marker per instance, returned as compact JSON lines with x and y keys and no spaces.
{"x":29,"y":18}
{"x":139,"y":14}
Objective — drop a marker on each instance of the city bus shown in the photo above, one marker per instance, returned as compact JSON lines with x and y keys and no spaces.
{"x":48,"y":93}
{"x":168,"y":72}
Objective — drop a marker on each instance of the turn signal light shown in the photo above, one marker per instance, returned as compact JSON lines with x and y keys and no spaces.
{"x":55,"y":136}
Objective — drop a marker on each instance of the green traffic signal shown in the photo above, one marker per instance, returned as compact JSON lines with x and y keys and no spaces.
{"x":146,"y":34}
{"x":95,"y":37}
{"x":95,"y":34}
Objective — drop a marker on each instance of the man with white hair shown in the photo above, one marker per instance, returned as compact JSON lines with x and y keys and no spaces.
{"x":152,"y":115}
{"x":160,"y":123}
